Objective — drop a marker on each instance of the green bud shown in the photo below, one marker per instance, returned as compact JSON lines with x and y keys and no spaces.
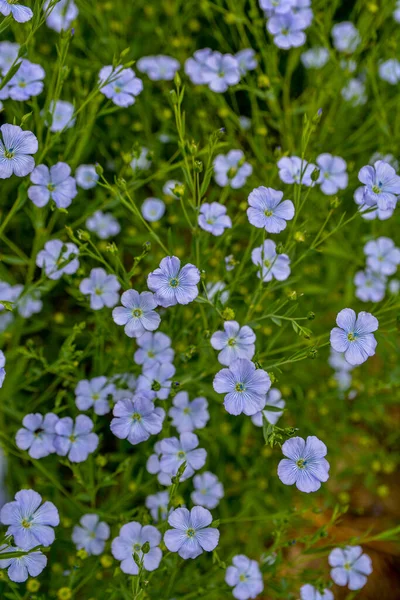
{"x":335,"y":202}
{"x":83,"y":235}
{"x":174,"y":97}
{"x":99,"y":169}
{"x":315,"y":174}
{"x":146,"y":548}
{"x":312,"y":353}
{"x":146,"y":247}
{"x":311,"y":316}
{"x":198,"y":166}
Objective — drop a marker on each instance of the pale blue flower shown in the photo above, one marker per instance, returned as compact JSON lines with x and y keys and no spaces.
{"x":247,"y":60}
{"x":350,"y":567}
{"x":2,"y":369}
{"x":268,"y":211}
{"x":293,"y":169}
{"x":305,"y":464}
{"x":158,"y":68}
{"x":382,"y":256}
{"x":232,"y":169}
{"x":55,"y":184}
{"x":91,"y":535}
{"x":302,"y":9}
{"x":169,"y":187}
{"x":136,"y":419}
{"x":220,"y":71}
{"x":213,"y":218}
{"x":153,"y":348}
{"x":315,"y":58}
{"x":96,"y":393}
{"x":173,"y":284}
{"x":309,"y":592}
{"x":153,"y":209}
{"x":346,"y":37}
{"x":37,"y":434}
{"x":26,"y":83}
{"x":276,"y":7}
{"x":370,"y":286}
{"x":234,"y":342}
{"x":142,"y":162}
{"x":217,"y":291}
{"x":153,"y":466}
{"x":62,"y":14}
{"x":61,"y":113}
{"x":333,"y":173}
{"x":381,"y":185}
{"x":156,"y":379}
{"x":137,"y":313}
{"x":274,"y":400}
{"x":245,"y":577}
{"x":354,"y":335}
{"x":389,"y":71}
{"x":186,"y":415}
{"x":29,"y":304}
{"x":30,"y":522}
{"x":102,"y":288}
{"x":158,"y":505}
{"x":75,"y":440}
{"x":195,"y":68}
{"x":273,"y":265}
{"x":120,"y":85}
{"x":191,"y":534}
{"x":19,"y":13}
{"x":208,"y":490}
{"x":58,"y":258}
{"x":245,"y":387}
{"x":8,"y":55}
{"x":370,"y":213}
{"x":105,"y":225}
{"x":16,"y":146}
{"x":86,"y":176}
{"x":354,"y":92}
{"x":132,"y":537}
{"x":22,"y":567}
{"x":287,"y":30}
{"x":174,"y":452}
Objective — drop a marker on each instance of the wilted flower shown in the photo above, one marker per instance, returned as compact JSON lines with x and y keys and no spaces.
{"x":75,"y":440}
{"x":104,"y":224}
{"x":186,"y":415}
{"x":274,"y":400}
{"x":208,"y":490}
{"x":58,"y":258}
{"x":245,"y":577}
{"x":245,"y":387}
{"x":354,"y":336}
{"x":173,"y":285}
{"x":305,"y":464}
{"x":268,"y":211}
{"x":137,"y":313}
{"x":213,"y":218}
{"x":52,"y":184}
{"x":30,"y":522}
{"x":273,"y":265}
{"x":102,"y":289}
{"x":86,"y":177}
{"x":120,"y":85}
{"x":37,"y":434}
{"x":91,"y":535}
{"x":234,"y":342}
{"x":136,"y":419}
{"x":169,"y":187}
{"x":153,"y":209}
{"x":231,"y":169}
{"x":191,"y":534}
{"x":333,"y":174}
{"x":350,"y":567}
{"x":130,"y":541}
{"x":94,"y":393}
{"x":158,"y":68}
{"x":16,"y":146}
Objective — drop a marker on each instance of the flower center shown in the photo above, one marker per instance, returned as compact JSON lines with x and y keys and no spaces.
{"x":190,"y":533}
{"x":347,"y":566}
{"x":203,"y":491}
{"x":156,"y":386}
{"x":72,"y":438}
{"x":181,"y":454}
{"x":239,"y":387}
{"x":117,"y":89}
{"x":137,"y":312}
{"x":377,"y":188}
{"x":232,"y":342}
{"x":268,"y":213}
{"x":351,"y":337}
{"x":174,"y":282}
{"x":26,"y":523}
{"x":242,"y":577}
{"x":98,"y":291}
{"x":9,"y":153}
{"x":95,"y":397}
{"x":186,"y":411}
{"x":136,"y":417}
{"x":301,"y":463}
{"x":151,"y":354}
{"x":267,"y":263}
{"x":137,"y":547}
{"x":232,"y":172}
{"x":22,"y":84}
{"x":51,"y":187}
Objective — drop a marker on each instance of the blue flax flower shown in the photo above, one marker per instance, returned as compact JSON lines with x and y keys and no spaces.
{"x":137,"y":313}
{"x":61,"y":15}
{"x":158,"y":505}
{"x":27,"y":82}
{"x":58,"y":258}
{"x":268,"y":211}
{"x":273,"y":265}
{"x":29,"y":304}
{"x":191,"y":534}
{"x":354,"y":335}
{"x":186,"y":415}
{"x":174,"y":452}
{"x":86,"y":176}
{"x":136,"y":419}
{"x":370,"y":286}
{"x":94,"y":393}
{"x":132,"y":537}
{"x":245,"y":387}
{"x":287,"y":30}
{"x":158,"y":68}
{"x":305,"y":464}
{"x":346,"y":37}
{"x":173,"y":284}
{"x":245,"y":577}
{"x":381,"y":185}
{"x":274,"y":400}
{"x":247,"y":60}
{"x":22,"y":567}
{"x":382,"y":256}
{"x":75,"y":440}
{"x":103,"y":224}
{"x":208,"y":490}
{"x":61,"y":113}
{"x":55,"y":184}
{"x":220,"y":71}
{"x":234,"y":342}
{"x":213,"y":218}
{"x":19,"y":13}
{"x":232,"y":169}
{"x":293,"y":169}
{"x":16,"y":146}
{"x":389,"y":71}
{"x":30,"y":522}
{"x":102,"y":288}
{"x":120,"y":85}
{"x":309,"y":592}
{"x":37,"y":434}
{"x":156,"y":380}
{"x":350,"y":567}
{"x":91,"y":535}
{"x":315,"y":58}
{"x":333,"y":175}
{"x":153,"y":348}
{"x":2,"y":369}
{"x":153,"y":209}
